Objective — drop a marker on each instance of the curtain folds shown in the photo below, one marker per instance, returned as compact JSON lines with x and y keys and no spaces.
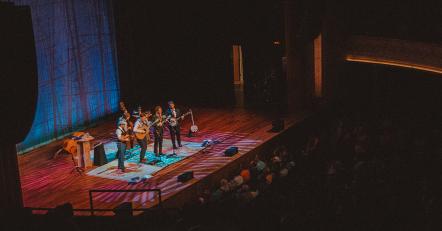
{"x":76,"y":62}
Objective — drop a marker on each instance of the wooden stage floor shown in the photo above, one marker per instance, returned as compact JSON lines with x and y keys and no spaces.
{"x":48,"y":182}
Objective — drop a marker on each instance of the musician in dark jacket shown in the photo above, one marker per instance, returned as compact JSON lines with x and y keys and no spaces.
{"x":130,"y":126}
{"x":158,"y":120}
{"x":174,"y":114}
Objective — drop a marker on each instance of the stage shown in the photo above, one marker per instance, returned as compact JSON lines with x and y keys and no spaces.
{"x":48,"y":182}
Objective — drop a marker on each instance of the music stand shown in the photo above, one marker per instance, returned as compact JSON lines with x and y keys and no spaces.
{"x":76,"y":167}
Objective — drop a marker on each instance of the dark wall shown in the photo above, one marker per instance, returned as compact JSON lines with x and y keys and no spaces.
{"x":407,"y":20}
{"x":18,"y":92}
{"x":391,"y":91}
{"x":341,"y":20}
{"x":182,"y":50}
{"x":18,"y":70}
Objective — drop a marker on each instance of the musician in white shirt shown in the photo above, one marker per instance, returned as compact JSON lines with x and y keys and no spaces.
{"x":122,"y":137}
{"x":141,"y":126}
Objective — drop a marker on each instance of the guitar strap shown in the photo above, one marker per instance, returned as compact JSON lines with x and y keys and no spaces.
{"x":123,"y":132}
{"x":141,"y":122}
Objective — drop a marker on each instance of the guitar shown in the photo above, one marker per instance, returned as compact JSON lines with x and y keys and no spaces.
{"x":174,"y":121}
{"x":146,"y":126}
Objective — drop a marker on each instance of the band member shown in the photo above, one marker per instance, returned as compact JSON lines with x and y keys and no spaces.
{"x":130,"y":129}
{"x":141,"y":127}
{"x":123,"y":137}
{"x":158,"y":121}
{"x":175,"y":134}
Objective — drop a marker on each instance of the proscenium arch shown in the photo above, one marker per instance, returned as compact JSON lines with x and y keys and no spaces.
{"x":394,"y":52}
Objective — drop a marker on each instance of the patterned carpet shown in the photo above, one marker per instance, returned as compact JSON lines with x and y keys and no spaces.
{"x":136,"y":172}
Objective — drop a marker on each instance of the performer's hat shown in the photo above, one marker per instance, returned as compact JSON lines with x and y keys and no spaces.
{"x":170,"y":102}
{"x":122,"y":122}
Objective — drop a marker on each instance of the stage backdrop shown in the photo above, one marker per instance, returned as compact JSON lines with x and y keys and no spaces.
{"x":76,"y":62}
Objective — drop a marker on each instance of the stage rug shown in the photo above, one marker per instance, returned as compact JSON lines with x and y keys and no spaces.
{"x":136,"y":172}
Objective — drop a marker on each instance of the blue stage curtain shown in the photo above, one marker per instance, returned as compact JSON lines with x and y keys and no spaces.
{"x":77,"y":67}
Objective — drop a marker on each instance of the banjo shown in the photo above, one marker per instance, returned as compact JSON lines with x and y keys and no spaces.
{"x":173,"y":121}
{"x":193,"y":128}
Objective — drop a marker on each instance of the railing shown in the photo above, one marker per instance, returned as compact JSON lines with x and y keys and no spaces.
{"x":91,"y":201}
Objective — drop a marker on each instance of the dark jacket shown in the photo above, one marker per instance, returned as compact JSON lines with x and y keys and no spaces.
{"x":178,"y":113}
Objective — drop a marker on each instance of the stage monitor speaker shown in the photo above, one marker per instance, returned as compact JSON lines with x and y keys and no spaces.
{"x":64,"y":210}
{"x":231,"y":151}
{"x":123,"y":209}
{"x":99,"y":155}
{"x":185,"y":176}
{"x":277,"y":125}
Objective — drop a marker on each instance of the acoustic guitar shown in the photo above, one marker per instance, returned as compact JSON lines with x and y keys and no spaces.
{"x":146,"y":126}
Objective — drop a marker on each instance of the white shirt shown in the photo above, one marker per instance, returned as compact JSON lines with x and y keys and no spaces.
{"x":138,"y":126}
{"x":119,"y":133}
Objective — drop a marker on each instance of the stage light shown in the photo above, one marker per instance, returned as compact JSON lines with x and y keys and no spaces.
{"x":231,"y":151}
{"x":206,"y":143}
{"x":123,"y":210}
{"x":209,"y":142}
{"x":186,"y":176}
{"x":276,"y":42}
